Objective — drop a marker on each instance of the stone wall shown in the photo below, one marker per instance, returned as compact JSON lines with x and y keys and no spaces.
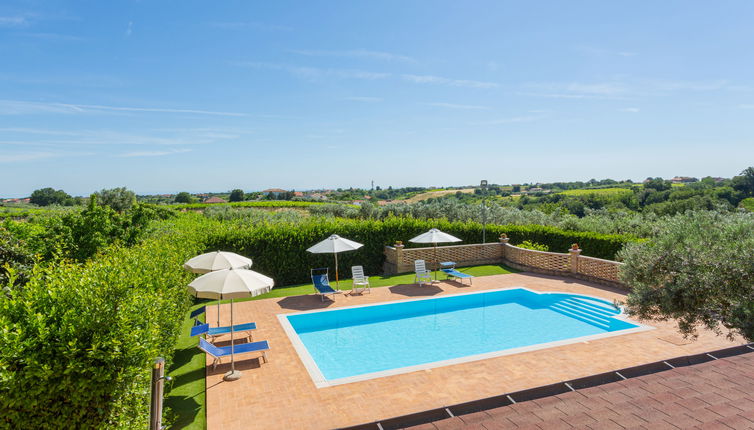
{"x":401,"y":260}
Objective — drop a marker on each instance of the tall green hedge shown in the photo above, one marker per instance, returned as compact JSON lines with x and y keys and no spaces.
{"x":77,"y":341}
{"x":279,"y":249}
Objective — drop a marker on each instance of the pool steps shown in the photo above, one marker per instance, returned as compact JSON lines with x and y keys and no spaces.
{"x":587,"y":311}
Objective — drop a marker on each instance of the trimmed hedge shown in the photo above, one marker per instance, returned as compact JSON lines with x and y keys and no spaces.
{"x":77,"y":341}
{"x":279,"y":250}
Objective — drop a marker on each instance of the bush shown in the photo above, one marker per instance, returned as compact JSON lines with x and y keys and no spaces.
{"x":527,"y":244}
{"x":279,"y":249}
{"x":748,"y":204}
{"x":76,"y":343}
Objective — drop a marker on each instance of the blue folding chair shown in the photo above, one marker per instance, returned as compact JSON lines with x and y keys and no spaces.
{"x":321,"y":282}
{"x":213,"y":332}
{"x":195,"y":314}
{"x":218,"y":352}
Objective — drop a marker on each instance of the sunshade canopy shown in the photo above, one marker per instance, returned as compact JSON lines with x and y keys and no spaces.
{"x":333,"y":245}
{"x":434,"y":236}
{"x":216,"y":260}
{"x":230,"y":284}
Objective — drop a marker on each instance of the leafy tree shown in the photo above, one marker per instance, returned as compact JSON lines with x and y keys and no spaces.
{"x":183,"y":197}
{"x":236,"y":195}
{"x":657,"y":184}
{"x":745,"y":182}
{"x":50,"y":196}
{"x":697,"y":270}
{"x":119,"y":199}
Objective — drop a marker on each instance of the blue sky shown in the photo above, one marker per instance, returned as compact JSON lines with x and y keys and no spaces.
{"x":169,"y":96}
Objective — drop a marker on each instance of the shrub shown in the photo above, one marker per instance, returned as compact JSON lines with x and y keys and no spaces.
{"x":527,"y":244}
{"x":76,"y":343}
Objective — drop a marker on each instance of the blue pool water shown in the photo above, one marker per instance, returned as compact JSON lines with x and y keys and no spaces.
{"x":356,"y":341}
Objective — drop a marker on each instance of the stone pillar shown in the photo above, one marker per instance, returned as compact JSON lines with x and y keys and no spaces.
{"x":504,"y":241}
{"x":574,"y":251}
{"x":398,"y":256}
{"x":390,"y":267}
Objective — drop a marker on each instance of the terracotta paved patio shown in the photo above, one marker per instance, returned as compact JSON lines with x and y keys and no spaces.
{"x":281,"y":394}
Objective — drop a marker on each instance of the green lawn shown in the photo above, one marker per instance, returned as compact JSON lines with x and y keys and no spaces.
{"x":185,"y":398}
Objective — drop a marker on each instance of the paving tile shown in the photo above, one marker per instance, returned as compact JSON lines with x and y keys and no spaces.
{"x":522,"y":419}
{"x":723,"y":410}
{"x":554,"y":424}
{"x":714,"y":425}
{"x":692,"y":403}
{"x":736,"y":422}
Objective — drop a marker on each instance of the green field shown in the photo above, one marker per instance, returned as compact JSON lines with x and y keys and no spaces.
{"x":597,"y":191}
{"x":186,"y":398}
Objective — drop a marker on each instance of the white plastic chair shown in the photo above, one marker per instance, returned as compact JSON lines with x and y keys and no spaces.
{"x":423,"y":276}
{"x":360,"y":282}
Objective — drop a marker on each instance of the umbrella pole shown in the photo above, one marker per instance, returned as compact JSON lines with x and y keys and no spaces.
{"x":218,"y":312}
{"x":437,"y":263}
{"x":233,"y":374}
{"x":337,"y":282}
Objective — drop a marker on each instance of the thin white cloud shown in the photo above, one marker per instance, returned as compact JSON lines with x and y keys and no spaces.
{"x":25,"y":156}
{"x":457,"y":106}
{"x":53,"y":37}
{"x":314,"y":73}
{"x":152,"y":153}
{"x":438,"y":80}
{"x":511,"y":120}
{"x":47,"y":137}
{"x":630,"y":110}
{"x":363,"y":99}
{"x":621,"y":89}
{"x":591,"y":50}
{"x":129,"y":28}
{"x":240,"y":25}
{"x":20,"y":107}
{"x":13,"y":21}
{"x":357,"y":53}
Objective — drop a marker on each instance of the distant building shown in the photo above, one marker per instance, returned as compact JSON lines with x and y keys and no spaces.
{"x":214,"y":200}
{"x":683,"y":180}
{"x":298,"y":194}
{"x":317,"y":196}
{"x":275,"y":191}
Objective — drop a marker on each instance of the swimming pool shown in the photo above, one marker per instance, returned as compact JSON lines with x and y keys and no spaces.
{"x":362,"y":342}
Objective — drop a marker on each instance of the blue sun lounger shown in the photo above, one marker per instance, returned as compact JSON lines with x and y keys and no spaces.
{"x":218,"y":352}
{"x":455,"y":274}
{"x":321,"y":282}
{"x":213,"y":332}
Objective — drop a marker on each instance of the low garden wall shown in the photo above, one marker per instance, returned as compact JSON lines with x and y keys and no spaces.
{"x":572,"y":264}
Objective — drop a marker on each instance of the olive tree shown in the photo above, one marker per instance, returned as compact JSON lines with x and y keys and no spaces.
{"x":119,"y":199}
{"x":183,"y":197}
{"x":699,"y":270}
{"x":236,"y":195}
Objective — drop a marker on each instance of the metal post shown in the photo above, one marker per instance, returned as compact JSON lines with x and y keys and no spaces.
{"x":484,"y":222}
{"x":158,"y":385}
{"x":483,"y":186}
